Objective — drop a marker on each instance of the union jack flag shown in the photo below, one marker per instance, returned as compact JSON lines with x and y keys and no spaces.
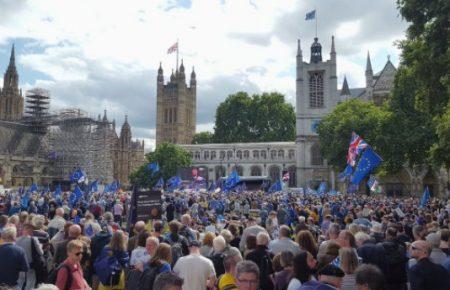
{"x":357,"y":145}
{"x":173,"y":48}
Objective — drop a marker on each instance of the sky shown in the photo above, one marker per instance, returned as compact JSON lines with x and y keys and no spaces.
{"x":104,"y":54}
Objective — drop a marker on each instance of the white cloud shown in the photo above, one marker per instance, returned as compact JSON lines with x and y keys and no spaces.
{"x":103,"y":54}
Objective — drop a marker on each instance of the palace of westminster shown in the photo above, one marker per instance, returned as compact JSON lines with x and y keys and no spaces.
{"x":36,"y":146}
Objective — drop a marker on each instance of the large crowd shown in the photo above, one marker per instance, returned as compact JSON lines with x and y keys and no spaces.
{"x":215,"y":240}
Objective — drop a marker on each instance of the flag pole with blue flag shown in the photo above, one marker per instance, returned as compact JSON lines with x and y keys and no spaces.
{"x":425,"y":197}
{"x":154,"y":167}
{"x":310,"y":16}
{"x":366,"y":164}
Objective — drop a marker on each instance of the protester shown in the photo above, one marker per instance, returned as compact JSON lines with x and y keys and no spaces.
{"x":70,"y":275}
{"x":263,"y":258}
{"x":168,"y":281}
{"x":284,"y":243}
{"x":304,"y":266}
{"x":227,"y":281}
{"x":14,"y":260}
{"x":247,"y":276}
{"x":197,"y":271}
{"x":370,"y":277}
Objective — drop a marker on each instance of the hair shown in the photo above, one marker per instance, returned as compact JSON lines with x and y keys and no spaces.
{"x":350,"y":237}
{"x":276,"y":263}
{"x":250,"y":242}
{"x":118,"y":241}
{"x":186,"y":218}
{"x":167,"y":280}
{"x":349,"y":260}
{"x":74,"y":244}
{"x":353,"y":228}
{"x":419,"y":231}
{"x":163,"y":253}
{"x":231,"y":258}
{"x":301,"y":269}
{"x":3,"y":220}
{"x":306,"y":242}
{"x":286,"y":258}
{"x":227,"y":235}
{"x":445,"y":235}
{"x":370,"y":275}
{"x":158,"y":226}
{"x":334,"y":229}
{"x":28,"y":227}
{"x":361,"y":237}
{"x":208,"y":239}
{"x":108,"y":217}
{"x":234,"y":230}
{"x":23,"y":216}
{"x":391,"y":233}
{"x":219,"y":244}
{"x":47,"y":287}
{"x":247,"y":266}
{"x":38,"y":222}
{"x":142,"y":238}
{"x":284,"y":231}
{"x":14,"y":219}
{"x":67,"y":226}
{"x":174,"y":226}
{"x":9,"y":234}
{"x":262,"y":238}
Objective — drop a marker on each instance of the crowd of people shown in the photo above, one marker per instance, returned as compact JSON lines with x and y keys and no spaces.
{"x":246,"y":240}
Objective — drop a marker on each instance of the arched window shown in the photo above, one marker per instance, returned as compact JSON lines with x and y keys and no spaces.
{"x":316,"y":90}
{"x":263,"y":154}
{"x":206,"y":155}
{"x":291,"y":154}
{"x":222,"y":155}
{"x":229,"y":154}
{"x":273,"y":154}
{"x":246,"y":154}
{"x":255,"y":171}
{"x":239,"y":169}
{"x":213,"y":155}
{"x":239,"y":154}
{"x":316,"y":156}
{"x":255,"y":154}
{"x":280,"y":154}
{"x":274,"y":173}
{"x":220,"y":172}
{"x":197,"y":155}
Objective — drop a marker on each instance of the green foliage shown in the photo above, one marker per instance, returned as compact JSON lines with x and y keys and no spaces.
{"x":259,"y":118}
{"x":203,"y":138}
{"x":334,"y":130}
{"x":440,"y":152}
{"x":170,"y":158}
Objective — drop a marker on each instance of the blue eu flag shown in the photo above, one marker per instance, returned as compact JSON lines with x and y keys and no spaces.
{"x":310,"y":15}
{"x":425,"y":197}
{"x":277,"y":186}
{"x":367,"y":163}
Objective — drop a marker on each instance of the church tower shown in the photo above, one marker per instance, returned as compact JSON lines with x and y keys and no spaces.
{"x":11,"y":100}
{"x":316,"y":96}
{"x":176,"y":107}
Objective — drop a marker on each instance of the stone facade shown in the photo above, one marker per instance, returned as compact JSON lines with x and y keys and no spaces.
{"x":176,"y":107}
{"x":71,"y":140}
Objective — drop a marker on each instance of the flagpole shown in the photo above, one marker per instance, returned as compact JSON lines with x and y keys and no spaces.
{"x":316,"y":20}
{"x":178,"y":48}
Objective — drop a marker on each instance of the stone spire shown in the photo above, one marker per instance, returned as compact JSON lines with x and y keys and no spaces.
{"x":125,"y":132}
{"x":316,"y":51}
{"x":193,"y":78}
{"x":299,"y":50}
{"x":160,"y":78}
{"x":11,"y":77}
{"x":369,"y":72}
{"x":182,"y":75}
{"x":333,"y":49}
{"x":345,"y":89}
{"x":105,"y":118}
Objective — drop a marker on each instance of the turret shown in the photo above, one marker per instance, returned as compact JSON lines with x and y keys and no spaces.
{"x":369,"y":72}
{"x":182,"y":74}
{"x":160,"y":78}
{"x":105,"y":118}
{"x":333,"y":50}
{"x":125,"y":133}
{"x":193,"y":78}
{"x":11,"y":77}
{"x":345,"y":91}
{"x":172,"y":77}
{"x":316,"y":51}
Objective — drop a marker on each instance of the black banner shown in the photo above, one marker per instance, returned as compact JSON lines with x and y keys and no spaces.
{"x":148,"y":205}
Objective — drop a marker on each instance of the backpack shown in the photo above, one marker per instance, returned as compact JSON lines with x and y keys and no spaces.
{"x":265,"y":271}
{"x":108,"y":268}
{"x":53,"y":275}
{"x":176,"y":249}
{"x":148,"y":277}
{"x":38,"y":264}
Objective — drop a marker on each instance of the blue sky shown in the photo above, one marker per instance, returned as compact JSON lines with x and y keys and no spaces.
{"x":102,"y":54}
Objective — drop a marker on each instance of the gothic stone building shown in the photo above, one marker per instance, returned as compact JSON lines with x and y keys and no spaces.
{"x":71,"y":140}
{"x":316,"y":96}
{"x":176,"y":107}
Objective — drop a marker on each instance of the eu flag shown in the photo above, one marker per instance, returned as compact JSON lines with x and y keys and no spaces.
{"x":310,"y":15}
{"x":369,"y":161}
{"x":322,"y":187}
{"x":232,"y":180}
{"x":160,"y":183}
{"x":277,"y":186}
{"x":58,"y":190}
{"x":154,"y":167}
{"x":425,"y":197}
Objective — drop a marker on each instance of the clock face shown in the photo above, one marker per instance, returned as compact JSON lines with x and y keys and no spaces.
{"x":314,"y":125}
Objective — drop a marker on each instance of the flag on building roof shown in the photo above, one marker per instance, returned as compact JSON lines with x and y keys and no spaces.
{"x":173,"y":48}
{"x":310,"y":15}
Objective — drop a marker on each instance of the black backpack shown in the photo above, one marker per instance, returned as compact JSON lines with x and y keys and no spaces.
{"x":38,"y":263}
{"x":148,"y":277}
{"x":52,"y":277}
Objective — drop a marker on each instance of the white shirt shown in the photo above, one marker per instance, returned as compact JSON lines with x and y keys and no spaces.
{"x":57,"y":222}
{"x":139,"y":256}
{"x":195,"y":270}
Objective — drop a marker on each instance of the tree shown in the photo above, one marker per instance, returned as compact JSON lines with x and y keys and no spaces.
{"x":203,"y":138}
{"x":364,"y":118}
{"x":440,"y":152}
{"x":170,"y":158}
{"x":260,"y":118}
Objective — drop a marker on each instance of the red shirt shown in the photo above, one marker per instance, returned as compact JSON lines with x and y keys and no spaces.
{"x":78,"y":282}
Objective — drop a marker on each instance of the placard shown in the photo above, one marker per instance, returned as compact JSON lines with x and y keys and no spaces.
{"x":148,"y":205}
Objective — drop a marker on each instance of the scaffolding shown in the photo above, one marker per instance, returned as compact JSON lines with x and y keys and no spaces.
{"x":36,"y":111}
{"x":78,"y":141}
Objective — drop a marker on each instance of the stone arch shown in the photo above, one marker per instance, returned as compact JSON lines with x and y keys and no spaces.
{"x":291,"y":154}
{"x":239,"y":154}
{"x":292,"y":176}
{"x":263,"y":154}
{"x":274,"y":173}
{"x":246,"y":154}
{"x":273,"y":154}
{"x":316,"y":155}
{"x":255,"y":170}
{"x":239,"y":169}
{"x":206,"y":154}
{"x":229,"y":154}
{"x":255,"y":154}
{"x":431,"y":182}
{"x":220,"y":171}
{"x":280,"y":154}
